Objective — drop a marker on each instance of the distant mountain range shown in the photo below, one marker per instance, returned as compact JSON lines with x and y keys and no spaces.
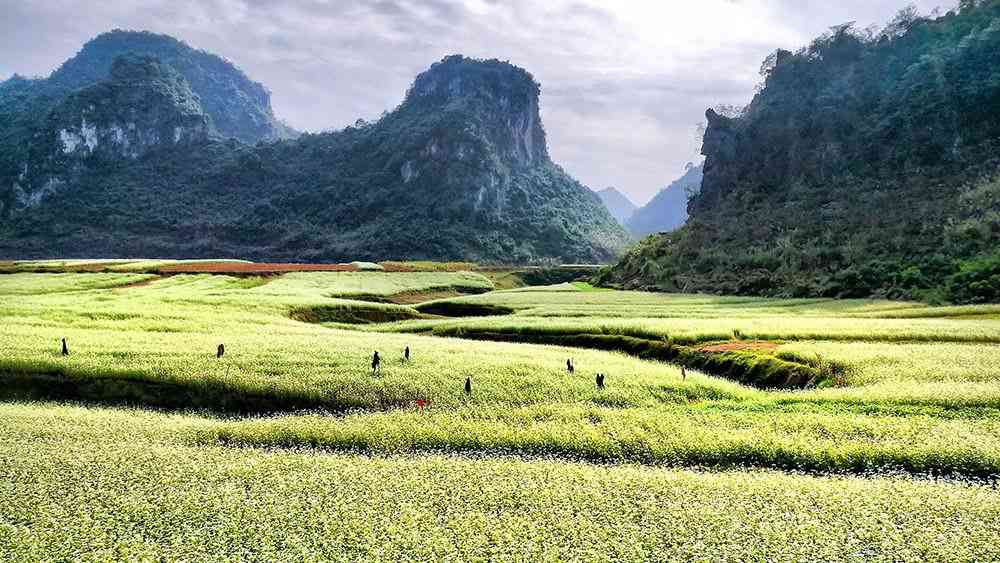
{"x":620,"y":206}
{"x":667,"y":210}
{"x":143,"y":146}
{"x":867,"y":164}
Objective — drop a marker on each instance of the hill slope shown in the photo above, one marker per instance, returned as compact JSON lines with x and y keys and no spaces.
{"x":863,"y":166}
{"x":460,"y":170}
{"x":620,"y":206}
{"x":239,"y":107}
{"x":668,"y":208}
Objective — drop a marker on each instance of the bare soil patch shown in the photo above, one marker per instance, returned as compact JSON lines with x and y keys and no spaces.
{"x":262,"y":268}
{"x":737,"y":345}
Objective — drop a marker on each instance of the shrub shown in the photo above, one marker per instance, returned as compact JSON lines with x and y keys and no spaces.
{"x":977,"y":281}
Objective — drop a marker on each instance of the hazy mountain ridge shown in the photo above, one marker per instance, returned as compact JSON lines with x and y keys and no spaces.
{"x":853,"y":172}
{"x":460,"y":170}
{"x":667,"y":210}
{"x":620,"y":206}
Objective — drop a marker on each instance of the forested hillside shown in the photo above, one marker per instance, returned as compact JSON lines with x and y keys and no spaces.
{"x":867,"y":164}
{"x":155,"y":152}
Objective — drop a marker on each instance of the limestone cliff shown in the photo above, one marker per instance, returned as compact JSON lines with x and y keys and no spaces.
{"x":852,"y":172}
{"x":135,"y":165}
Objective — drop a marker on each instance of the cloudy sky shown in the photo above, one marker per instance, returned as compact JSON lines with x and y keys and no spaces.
{"x":624,"y":82}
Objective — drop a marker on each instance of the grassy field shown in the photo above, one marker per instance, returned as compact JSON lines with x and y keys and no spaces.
{"x":142,"y":443}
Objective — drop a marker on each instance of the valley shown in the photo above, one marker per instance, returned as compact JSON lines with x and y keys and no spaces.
{"x":405,"y":325}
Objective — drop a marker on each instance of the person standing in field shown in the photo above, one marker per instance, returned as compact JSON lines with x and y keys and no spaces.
{"x":406,"y":354}
{"x":468,"y":385}
{"x":376,"y":363}
{"x":65,"y":348}
{"x":220,"y":351}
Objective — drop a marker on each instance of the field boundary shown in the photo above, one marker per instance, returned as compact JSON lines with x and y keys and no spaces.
{"x":213,"y":396}
{"x":748,"y":368}
{"x":858,"y":461}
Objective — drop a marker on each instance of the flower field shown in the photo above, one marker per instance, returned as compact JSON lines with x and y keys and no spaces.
{"x":143,"y":444}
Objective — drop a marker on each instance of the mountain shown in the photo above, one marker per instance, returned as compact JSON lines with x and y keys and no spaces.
{"x":159,"y":105}
{"x":620,"y":206}
{"x":867,"y":164}
{"x":239,"y":107}
{"x":136,"y":164}
{"x":667,"y":210}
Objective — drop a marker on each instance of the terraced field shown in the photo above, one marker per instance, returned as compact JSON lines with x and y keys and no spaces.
{"x":142,"y":443}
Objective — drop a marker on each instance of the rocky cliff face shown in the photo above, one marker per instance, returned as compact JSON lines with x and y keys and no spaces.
{"x":721,"y":143}
{"x":94,"y":106}
{"x":504,"y":97}
{"x":239,"y":107}
{"x":469,"y":129}
{"x":144,"y":105}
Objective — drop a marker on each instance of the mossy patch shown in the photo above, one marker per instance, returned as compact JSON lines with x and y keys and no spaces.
{"x":462,"y":309}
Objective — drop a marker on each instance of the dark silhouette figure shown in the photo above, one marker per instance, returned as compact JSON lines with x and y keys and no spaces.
{"x":406,"y":354}
{"x":600,"y":381}
{"x":376,"y":363}
{"x":65,"y":348}
{"x":569,"y":365}
{"x":221,"y":351}
{"x":684,"y":374}
{"x":468,"y":385}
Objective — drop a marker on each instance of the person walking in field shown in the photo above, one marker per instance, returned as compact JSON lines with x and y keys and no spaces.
{"x":406,"y":354}
{"x":220,"y":351}
{"x":569,"y":365}
{"x":684,"y":374}
{"x":600,"y":381}
{"x":65,"y":348}
{"x":376,"y":363}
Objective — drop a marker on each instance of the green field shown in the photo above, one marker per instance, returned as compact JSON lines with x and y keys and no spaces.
{"x":142,"y":444}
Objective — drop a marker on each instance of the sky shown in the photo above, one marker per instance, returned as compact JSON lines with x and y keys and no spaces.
{"x":624,"y":82}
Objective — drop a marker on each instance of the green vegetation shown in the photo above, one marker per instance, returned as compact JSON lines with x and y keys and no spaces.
{"x":323,"y":458}
{"x":117,"y":484}
{"x":865,"y":165}
{"x":32,"y":284}
{"x":123,"y":152}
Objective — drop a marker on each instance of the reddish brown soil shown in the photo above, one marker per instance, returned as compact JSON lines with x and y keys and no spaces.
{"x":739,"y":345}
{"x":252,"y":268}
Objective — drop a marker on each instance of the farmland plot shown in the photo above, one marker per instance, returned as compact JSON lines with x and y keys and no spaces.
{"x":143,"y":443}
